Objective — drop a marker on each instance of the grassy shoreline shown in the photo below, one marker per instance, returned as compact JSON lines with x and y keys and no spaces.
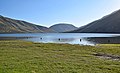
{"x":27,"y":57}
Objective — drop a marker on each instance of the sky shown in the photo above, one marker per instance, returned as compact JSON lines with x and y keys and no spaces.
{"x":50,"y":12}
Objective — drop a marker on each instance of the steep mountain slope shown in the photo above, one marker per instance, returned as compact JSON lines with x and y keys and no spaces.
{"x":8,"y":25}
{"x":63,"y":27}
{"x":107,"y":24}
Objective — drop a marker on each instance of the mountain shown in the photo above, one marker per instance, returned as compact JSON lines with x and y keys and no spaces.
{"x":8,"y":25}
{"x":107,"y":24}
{"x":63,"y":27}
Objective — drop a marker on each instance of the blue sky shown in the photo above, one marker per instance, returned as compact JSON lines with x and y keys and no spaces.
{"x":49,"y":12}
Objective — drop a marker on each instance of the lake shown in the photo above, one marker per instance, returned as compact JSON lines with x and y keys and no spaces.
{"x":70,"y":38}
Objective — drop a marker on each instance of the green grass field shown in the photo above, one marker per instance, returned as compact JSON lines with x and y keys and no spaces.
{"x":28,"y":57}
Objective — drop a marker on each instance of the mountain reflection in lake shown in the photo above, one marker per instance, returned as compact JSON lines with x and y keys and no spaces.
{"x":104,"y":40}
{"x":70,"y":38}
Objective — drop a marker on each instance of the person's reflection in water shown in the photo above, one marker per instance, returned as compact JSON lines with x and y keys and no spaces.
{"x":108,"y":41}
{"x":80,"y":40}
{"x":59,"y":39}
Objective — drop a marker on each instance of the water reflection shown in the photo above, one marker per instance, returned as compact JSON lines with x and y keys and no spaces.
{"x":71,"y":38}
{"x":104,"y":40}
{"x":63,"y":39}
{"x":81,"y":41}
{"x":14,"y":38}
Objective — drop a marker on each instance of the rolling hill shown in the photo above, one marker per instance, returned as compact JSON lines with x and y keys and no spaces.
{"x":107,"y":24}
{"x":8,"y":25}
{"x":63,"y":27}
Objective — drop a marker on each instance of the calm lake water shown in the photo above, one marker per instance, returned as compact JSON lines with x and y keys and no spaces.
{"x":70,"y":38}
